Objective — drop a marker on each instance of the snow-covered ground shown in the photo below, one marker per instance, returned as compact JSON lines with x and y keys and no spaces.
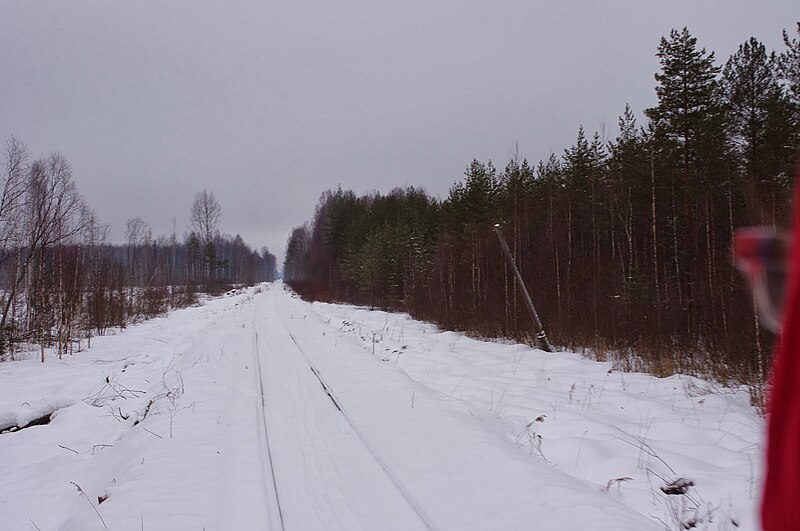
{"x":260,"y":411}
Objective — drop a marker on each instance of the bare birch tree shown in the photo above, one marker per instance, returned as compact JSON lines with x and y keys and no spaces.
{"x":205,"y":216}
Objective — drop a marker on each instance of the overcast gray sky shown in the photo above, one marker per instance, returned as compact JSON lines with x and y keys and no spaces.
{"x":268,"y":103}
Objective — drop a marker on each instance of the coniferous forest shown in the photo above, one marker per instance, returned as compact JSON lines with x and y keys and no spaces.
{"x":61,"y":279}
{"x":625,"y":244}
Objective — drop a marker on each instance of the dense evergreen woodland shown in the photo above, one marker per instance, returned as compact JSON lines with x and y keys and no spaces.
{"x":61,"y":281}
{"x":625,"y":244}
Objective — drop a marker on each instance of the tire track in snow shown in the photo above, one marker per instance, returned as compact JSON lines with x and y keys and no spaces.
{"x":329,"y":476}
{"x":263,"y":422}
{"x":404,"y":492}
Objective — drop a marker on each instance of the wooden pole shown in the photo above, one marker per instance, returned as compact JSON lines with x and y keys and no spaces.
{"x":540,"y":335}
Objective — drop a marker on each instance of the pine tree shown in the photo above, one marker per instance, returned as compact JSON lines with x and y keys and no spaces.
{"x":629,"y":172}
{"x":687,"y":98}
{"x":193,"y":261}
{"x":790,"y":65}
{"x":690,"y":124}
{"x":760,"y":123}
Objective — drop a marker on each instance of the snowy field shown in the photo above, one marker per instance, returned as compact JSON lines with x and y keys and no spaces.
{"x":260,"y":411}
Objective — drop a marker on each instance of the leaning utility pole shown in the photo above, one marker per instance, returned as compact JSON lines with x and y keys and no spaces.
{"x":541,"y":336}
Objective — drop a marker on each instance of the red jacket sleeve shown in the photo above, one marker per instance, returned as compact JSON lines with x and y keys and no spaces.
{"x":780,"y":506}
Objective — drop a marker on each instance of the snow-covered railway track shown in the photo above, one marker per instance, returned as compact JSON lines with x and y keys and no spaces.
{"x":324,"y":473}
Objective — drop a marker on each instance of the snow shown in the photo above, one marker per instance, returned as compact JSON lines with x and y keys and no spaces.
{"x":260,"y":411}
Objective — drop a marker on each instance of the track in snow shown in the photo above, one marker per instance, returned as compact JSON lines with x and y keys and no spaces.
{"x":274,"y":502}
{"x":392,"y":477}
{"x":323,"y":471}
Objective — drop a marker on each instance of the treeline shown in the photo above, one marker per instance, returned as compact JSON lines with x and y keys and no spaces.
{"x":624,"y":243}
{"x":61,"y":281}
